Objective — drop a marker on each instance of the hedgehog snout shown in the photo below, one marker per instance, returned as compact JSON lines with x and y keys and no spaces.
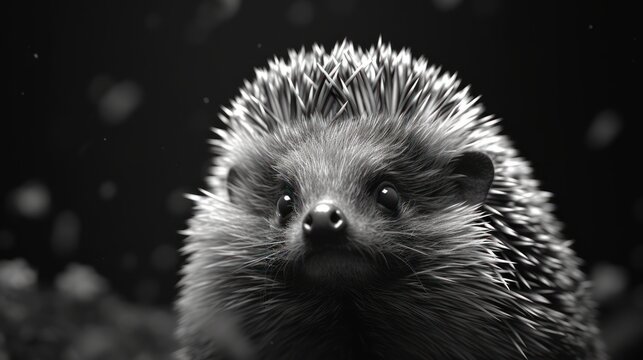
{"x":325,"y":226}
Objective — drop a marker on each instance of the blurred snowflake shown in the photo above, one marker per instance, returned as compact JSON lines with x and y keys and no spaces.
{"x":609,"y":282}
{"x":604,"y":129}
{"x":119,"y":101}
{"x":80,"y":282}
{"x":16,"y":275}
{"x":301,"y":13}
{"x":31,"y":200}
{"x":107,"y":190}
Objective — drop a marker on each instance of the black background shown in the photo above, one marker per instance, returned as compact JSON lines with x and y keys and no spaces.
{"x":563,"y":76}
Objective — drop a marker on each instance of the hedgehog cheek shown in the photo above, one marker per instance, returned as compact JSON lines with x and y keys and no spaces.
{"x":476,"y":170}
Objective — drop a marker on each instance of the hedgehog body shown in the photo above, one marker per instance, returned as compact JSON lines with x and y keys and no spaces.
{"x":447,"y":249}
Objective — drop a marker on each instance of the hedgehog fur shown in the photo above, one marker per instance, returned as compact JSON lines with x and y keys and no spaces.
{"x":454,"y":279}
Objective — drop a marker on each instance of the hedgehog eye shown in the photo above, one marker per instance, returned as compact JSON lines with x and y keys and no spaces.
{"x":386,"y":195}
{"x":285,"y":205}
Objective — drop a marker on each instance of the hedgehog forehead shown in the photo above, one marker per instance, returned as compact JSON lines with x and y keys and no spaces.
{"x":328,"y":157}
{"x":318,"y":155}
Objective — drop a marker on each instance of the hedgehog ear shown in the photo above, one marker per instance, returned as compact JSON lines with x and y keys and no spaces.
{"x":232,"y":185}
{"x":476,"y":170}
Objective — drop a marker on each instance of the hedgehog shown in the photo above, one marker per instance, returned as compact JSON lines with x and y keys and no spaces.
{"x":361,"y":205}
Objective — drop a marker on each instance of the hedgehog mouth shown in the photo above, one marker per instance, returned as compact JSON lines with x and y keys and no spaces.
{"x":336,"y":267}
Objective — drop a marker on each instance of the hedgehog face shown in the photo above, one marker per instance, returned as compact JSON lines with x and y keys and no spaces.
{"x":353,"y":202}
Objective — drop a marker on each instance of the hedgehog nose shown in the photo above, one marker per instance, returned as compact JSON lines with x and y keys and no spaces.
{"x":325,"y":224}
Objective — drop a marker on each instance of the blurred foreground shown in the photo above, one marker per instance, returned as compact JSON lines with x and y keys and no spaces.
{"x":78,"y":319}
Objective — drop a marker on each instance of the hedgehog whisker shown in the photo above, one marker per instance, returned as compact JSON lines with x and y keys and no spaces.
{"x":256,"y":261}
{"x":381,"y":253}
{"x":413,"y":249}
{"x":411,"y":234}
{"x":267,"y":245}
{"x":412,"y":271}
